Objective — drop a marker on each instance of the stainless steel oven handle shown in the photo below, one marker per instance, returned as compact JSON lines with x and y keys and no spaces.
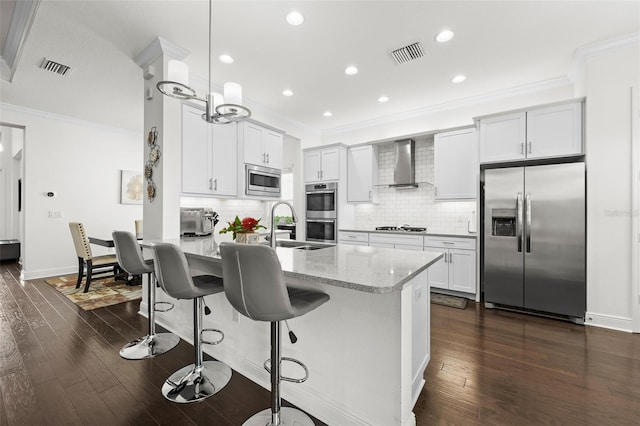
{"x":519,"y":221}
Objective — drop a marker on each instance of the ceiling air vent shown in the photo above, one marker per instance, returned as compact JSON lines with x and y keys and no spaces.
{"x":55,"y":67}
{"x":407,"y":53}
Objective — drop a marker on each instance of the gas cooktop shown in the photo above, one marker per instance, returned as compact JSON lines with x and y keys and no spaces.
{"x":405,"y":228}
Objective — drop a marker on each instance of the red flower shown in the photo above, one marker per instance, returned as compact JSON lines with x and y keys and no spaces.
{"x":249,"y":223}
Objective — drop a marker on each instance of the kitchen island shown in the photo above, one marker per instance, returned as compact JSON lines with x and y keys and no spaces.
{"x":366,"y":349}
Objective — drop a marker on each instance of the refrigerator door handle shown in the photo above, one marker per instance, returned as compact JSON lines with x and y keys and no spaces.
{"x":519,"y":221}
{"x":528,"y":222}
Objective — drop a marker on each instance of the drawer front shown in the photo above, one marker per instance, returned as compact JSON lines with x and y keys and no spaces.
{"x":352,"y":237}
{"x":450,"y":242}
{"x":407,"y":240}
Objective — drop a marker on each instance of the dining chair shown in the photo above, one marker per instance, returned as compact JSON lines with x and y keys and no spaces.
{"x":99,"y":265}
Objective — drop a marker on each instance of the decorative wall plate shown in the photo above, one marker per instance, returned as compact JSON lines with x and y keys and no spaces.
{"x":153,"y":136}
{"x":151,"y":190}
{"x":148,"y":170}
{"x":154,"y":155}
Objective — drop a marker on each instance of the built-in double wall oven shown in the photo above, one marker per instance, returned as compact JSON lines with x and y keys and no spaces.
{"x":322,"y":212}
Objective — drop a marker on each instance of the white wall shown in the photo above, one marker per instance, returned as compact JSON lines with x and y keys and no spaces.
{"x":80,"y":161}
{"x":609,"y":77}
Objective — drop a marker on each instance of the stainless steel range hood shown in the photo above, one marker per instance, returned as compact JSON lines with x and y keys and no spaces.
{"x":404,"y":171}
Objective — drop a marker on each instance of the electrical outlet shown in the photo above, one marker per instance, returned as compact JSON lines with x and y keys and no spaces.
{"x":234,"y":315}
{"x":55,"y":214}
{"x":418,"y":294}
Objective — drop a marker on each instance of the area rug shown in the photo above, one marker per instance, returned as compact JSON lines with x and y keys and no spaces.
{"x":451,"y":301}
{"x":102,"y":292}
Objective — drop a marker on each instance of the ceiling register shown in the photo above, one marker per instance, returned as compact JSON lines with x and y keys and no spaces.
{"x":216,"y":110}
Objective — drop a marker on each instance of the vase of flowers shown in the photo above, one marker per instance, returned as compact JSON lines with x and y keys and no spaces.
{"x":244,"y":231}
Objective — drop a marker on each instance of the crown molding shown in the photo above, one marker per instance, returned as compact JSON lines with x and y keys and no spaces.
{"x":68,"y":119}
{"x":19,"y":28}
{"x":461,"y":103}
{"x":597,"y":48}
{"x":158,"y":47}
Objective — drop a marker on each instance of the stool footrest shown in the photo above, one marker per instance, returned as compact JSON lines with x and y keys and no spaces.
{"x":210,"y":342}
{"x":162,"y":309}
{"x":267,"y":366}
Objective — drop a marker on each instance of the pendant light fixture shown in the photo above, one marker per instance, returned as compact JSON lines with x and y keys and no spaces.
{"x":217,"y":111}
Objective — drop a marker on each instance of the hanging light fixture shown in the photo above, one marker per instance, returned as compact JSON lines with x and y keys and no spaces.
{"x":217,"y":111}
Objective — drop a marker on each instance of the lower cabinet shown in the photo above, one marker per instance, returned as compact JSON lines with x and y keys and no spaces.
{"x":353,"y":238}
{"x":457,"y":269}
{"x":404,"y":242}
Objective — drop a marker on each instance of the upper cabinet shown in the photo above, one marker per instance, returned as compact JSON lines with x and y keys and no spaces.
{"x":209,"y":165}
{"x":322,"y":164}
{"x":545,"y":132}
{"x":456,"y":164}
{"x":262,"y":146}
{"x":362,"y":174}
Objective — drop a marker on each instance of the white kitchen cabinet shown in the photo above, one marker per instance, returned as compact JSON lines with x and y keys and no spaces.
{"x":262,"y":146}
{"x":353,"y":238}
{"x":322,"y":164}
{"x":398,"y":241}
{"x":209,"y":156}
{"x":544,"y":132}
{"x":362,"y":174}
{"x":456,"y":165}
{"x":457,"y":269}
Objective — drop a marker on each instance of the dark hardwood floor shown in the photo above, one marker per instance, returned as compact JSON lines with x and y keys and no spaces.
{"x":60,"y":365}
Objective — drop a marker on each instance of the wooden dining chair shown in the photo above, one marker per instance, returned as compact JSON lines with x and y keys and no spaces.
{"x":100,"y":265}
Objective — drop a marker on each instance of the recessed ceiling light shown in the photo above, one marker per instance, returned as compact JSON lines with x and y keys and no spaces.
{"x":383,"y":99}
{"x":287,"y":92}
{"x":327,"y":114}
{"x":458,"y":78}
{"x":351,"y":70}
{"x":444,"y":35}
{"x":295,"y":18}
{"x":227,"y":59}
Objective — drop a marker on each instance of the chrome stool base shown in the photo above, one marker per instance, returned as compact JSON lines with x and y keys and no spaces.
{"x":149,"y":346}
{"x":288,"y":417}
{"x":186,"y":385}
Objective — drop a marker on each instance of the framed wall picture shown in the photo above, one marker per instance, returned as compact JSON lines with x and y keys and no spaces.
{"x":132,"y":186}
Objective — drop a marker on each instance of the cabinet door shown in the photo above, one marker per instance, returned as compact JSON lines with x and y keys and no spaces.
{"x":456,"y":165}
{"x":554,"y":131}
{"x":253,"y":144}
{"x":360,"y":174}
{"x":462,"y":270}
{"x":330,"y":164}
{"x":312,"y":166}
{"x":224,"y":175}
{"x":438,"y":273}
{"x":408,"y":247}
{"x":503,"y":138}
{"x":272,"y":143}
{"x":196,"y":152}
{"x":383,"y":245}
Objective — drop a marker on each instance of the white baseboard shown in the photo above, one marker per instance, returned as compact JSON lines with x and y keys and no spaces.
{"x":609,"y":321}
{"x":46,"y":273}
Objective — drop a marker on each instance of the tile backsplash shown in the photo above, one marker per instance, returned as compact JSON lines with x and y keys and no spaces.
{"x":227,"y":209}
{"x":414,"y":206}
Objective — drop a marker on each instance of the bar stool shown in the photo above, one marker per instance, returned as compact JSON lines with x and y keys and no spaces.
{"x":129,"y":255}
{"x":255,"y":286}
{"x":201,"y":379}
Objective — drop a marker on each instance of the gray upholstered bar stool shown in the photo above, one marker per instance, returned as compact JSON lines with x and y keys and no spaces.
{"x":129,"y":255}
{"x":255,"y":286}
{"x":201,"y":379}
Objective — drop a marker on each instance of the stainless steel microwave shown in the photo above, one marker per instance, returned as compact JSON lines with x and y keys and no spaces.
{"x":262,"y":181}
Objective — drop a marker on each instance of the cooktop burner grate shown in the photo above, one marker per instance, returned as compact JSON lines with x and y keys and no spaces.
{"x":401,"y":228}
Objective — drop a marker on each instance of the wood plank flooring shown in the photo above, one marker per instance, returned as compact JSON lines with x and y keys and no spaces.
{"x":60,"y":365}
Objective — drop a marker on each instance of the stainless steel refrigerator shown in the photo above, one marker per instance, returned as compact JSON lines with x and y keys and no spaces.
{"x":534,"y":238}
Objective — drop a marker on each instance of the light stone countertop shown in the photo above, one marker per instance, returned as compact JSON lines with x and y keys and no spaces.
{"x":366,"y":269}
{"x":423,"y":233}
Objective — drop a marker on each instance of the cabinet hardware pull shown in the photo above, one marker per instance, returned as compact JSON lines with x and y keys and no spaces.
{"x":445,"y":258}
{"x":211,"y":184}
{"x":529,"y":147}
{"x":318,"y":173}
{"x":448,"y":242}
{"x":450,"y":257}
{"x":369,"y":194}
{"x":521,"y":147}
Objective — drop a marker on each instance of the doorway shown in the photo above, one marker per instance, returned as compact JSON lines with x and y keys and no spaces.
{"x":12,"y":138}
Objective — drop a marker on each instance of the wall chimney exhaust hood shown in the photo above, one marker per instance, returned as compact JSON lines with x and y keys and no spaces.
{"x":404,"y":171}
